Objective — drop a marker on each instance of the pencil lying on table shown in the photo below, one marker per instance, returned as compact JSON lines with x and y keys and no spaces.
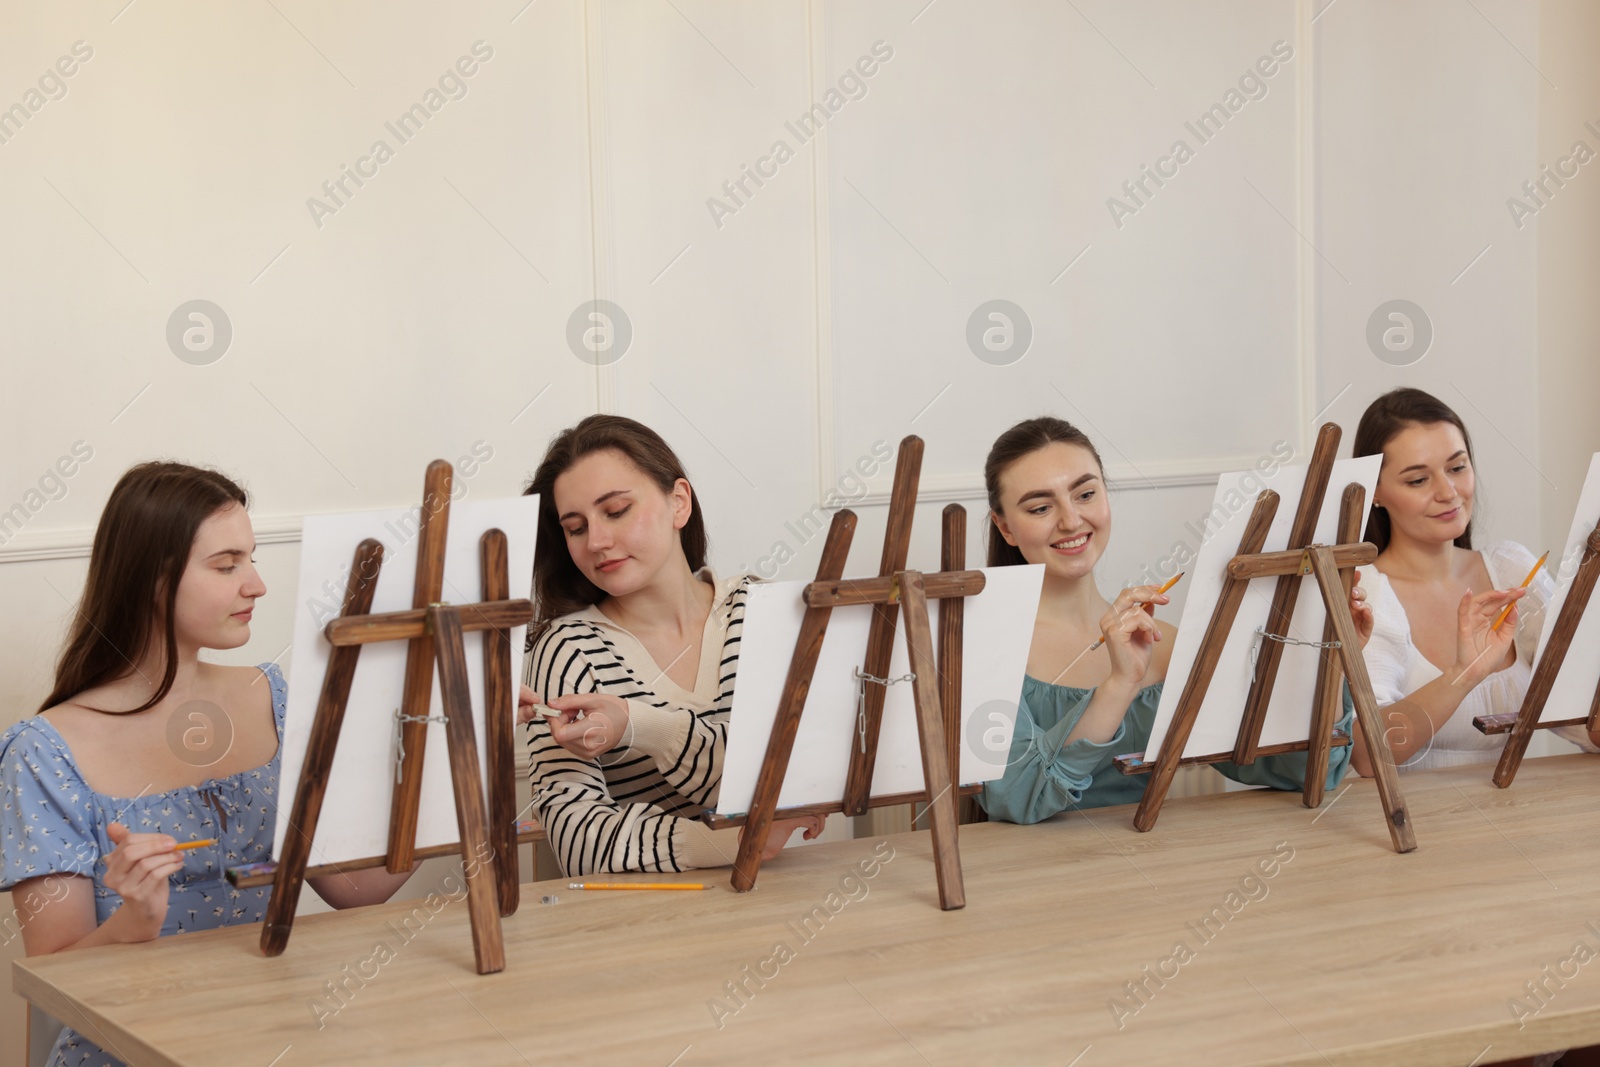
{"x":635,"y":885}
{"x":1525,"y":583}
{"x":1150,"y":609}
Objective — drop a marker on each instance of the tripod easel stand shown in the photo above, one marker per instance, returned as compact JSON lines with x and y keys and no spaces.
{"x":936,"y":685}
{"x":1521,"y":725}
{"x":433,"y":631}
{"x":1333,"y":566}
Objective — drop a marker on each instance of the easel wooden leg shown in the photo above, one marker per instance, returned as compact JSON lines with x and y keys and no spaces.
{"x":1325,"y":713}
{"x":1371,"y":724}
{"x":1205,"y":665}
{"x":477,"y":854}
{"x":1544,"y":675}
{"x":952,"y":616}
{"x":499,"y":710}
{"x":1505,"y":770}
{"x":1594,"y":711}
{"x":433,"y":525}
{"x":941,"y":809}
{"x":880,"y":635}
{"x":796,"y":685}
{"x":303,"y":815}
{"x":1194,"y":694}
{"x":1285,"y":595}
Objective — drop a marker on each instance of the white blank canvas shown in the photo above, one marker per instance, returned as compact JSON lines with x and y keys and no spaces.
{"x":1216,"y":728}
{"x":1580,"y":671}
{"x":354,"y":822}
{"x":997,"y":630}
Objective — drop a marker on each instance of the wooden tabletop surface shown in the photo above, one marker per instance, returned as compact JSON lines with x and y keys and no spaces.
{"x":1344,"y":953}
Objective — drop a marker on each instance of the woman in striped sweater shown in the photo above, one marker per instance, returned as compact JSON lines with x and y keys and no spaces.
{"x":631,"y":659}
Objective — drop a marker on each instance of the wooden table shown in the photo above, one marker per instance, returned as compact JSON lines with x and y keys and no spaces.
{"x":1346,"y":953}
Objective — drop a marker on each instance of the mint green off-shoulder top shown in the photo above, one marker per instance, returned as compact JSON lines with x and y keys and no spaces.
{"x":1044,"y":775}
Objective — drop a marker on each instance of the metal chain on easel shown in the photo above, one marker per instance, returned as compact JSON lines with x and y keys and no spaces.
{"x":862,"y":678}
{"x":1262,"y":634}
{"x":400,"y":721}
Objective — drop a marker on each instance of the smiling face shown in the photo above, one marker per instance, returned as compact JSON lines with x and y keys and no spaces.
{"x":1427,"y":483}
{"x":621,"y":529}
{"x":220,"y":584}
{"x":1054,"y":509}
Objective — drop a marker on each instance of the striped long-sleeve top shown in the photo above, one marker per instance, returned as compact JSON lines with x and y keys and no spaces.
{"x":635,"y":808}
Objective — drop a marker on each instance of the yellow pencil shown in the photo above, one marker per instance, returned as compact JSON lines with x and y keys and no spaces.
{"x":184,"y":846}
{"x":1150,"y":609}
{"x":1525,"y":583}
{"x":636,"y":885}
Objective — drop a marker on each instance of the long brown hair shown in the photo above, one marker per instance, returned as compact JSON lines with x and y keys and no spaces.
{"x":1022,"y":439}
{"x":141,"y":548}
{"x":559,"y":587}
{"x":1384,"y":418}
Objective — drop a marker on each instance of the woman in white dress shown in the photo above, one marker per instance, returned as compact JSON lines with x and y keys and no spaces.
{"x":1435,"y":658}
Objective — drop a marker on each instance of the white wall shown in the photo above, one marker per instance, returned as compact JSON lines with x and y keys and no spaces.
{"x":828,"y":308}
{"x":1427,"y":119}
{"x":1569,"y":262}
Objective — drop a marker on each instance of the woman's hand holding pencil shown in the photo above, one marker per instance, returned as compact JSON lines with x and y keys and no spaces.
{"x":1129,"y":629}
{"x":137,"y":871}
{"x":528,"y":705}
{"x":585,"y":724}
{"x":1147,"y":597}
{"x":1482,"y":644}
{"x":1506,"y":611}
{"x":588,"y":724}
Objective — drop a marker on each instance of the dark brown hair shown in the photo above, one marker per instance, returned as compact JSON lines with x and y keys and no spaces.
{"x":1022,"y":439}
{"x":1386,"y":417}
{"x":141,"y":548}
{"x":559,"y":587}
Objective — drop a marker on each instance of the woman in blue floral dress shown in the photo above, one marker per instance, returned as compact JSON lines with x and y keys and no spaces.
{"x":142,"y":746}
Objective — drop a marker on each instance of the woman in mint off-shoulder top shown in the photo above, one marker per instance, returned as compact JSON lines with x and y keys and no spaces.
{"x":1046,"y":774}
{"x":1047,"y":499}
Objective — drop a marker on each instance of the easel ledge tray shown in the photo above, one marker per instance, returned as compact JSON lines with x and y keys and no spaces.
{"x":719,"y":822}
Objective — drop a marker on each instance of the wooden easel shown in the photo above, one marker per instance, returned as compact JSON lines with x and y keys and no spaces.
{"x":936,"y":687}
{"x":1526,"y":720}
{"x":434,"y":631}
{"x":1333,"y":566}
